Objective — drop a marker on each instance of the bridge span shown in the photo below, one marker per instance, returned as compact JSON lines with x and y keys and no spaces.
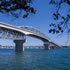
{"x":18,"y":34}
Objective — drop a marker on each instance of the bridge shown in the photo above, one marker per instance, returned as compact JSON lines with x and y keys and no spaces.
{"x":18,"y":35}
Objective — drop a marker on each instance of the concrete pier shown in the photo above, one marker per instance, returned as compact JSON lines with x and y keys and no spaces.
{"x":19,"y":45}
{"x":47,"y":45}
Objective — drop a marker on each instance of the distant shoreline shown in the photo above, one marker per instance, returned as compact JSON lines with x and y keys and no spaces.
{"x":26,"y":47}
{"x":31,"y":47}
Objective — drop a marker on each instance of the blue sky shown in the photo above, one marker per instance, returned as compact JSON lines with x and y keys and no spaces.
{"x":40,"y":20}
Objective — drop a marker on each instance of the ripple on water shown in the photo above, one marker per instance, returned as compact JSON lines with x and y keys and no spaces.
{"x":35,"y":59}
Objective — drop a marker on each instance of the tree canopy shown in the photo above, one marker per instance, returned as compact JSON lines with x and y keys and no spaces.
{"x":12,"y":7}
{"x":15,"y":7}
{"x":64,"y":23}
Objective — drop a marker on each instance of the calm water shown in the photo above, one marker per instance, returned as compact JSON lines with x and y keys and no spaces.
{"x":35,"y":59}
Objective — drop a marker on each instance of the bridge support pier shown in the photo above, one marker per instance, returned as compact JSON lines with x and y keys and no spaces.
{"x":19,"y":45}
{"x":47,"y":45}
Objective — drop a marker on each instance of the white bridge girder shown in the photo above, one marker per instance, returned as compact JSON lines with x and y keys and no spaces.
{"x":18,"y":33}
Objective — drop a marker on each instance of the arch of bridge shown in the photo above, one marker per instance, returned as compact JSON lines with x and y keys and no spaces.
{"x":26,"y":30}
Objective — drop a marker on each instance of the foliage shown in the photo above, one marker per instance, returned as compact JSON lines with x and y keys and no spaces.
{"x":12,"y":7}
{"x":64,"y":23}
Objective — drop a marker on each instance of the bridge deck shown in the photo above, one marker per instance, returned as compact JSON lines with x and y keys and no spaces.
{"x":27,"y":30}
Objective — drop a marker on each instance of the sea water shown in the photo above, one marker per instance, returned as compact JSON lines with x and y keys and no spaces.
{"x":35,"y":59}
